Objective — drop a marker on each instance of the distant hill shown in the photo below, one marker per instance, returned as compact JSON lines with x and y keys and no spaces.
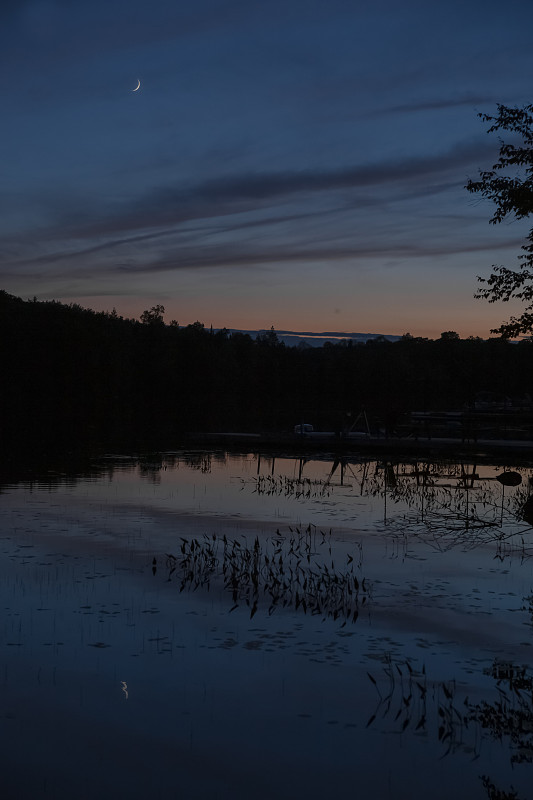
{"x":294,"y":338}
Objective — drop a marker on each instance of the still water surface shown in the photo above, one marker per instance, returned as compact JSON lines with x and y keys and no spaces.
{"x":200,"y":624}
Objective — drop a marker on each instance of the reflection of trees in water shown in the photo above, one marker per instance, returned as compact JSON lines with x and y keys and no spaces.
{"x":151,"y":466}
{"x":200,"y":460}
{"x":417,"y":705}
{"x":443,"y":503}
{"x":64,"y":474}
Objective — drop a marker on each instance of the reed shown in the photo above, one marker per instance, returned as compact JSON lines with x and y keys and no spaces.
{"x":417,"y":705}
{"x":295,"y":571}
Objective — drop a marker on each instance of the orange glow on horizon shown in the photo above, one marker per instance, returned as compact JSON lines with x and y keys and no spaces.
{"x":475,"y":320}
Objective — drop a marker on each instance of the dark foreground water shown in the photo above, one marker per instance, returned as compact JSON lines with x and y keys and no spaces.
{"x":199,"y":625}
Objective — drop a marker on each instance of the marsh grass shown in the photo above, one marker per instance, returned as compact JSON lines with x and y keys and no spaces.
{"x":529,"y":607}
{"x":295,"y":571}
{"x":493,"y":793}
{"x":444,"y":504}
{"x":297,"y":488}
{"x":417,"y":705}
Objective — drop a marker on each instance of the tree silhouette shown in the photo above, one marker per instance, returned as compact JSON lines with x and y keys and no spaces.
{"x":509,"y":185}
{"x":73,"y":377}
{"x":153,"y":316}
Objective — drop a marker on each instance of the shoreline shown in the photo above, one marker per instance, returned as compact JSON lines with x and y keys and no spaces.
{"x":29,"y":463}
{"x":325,"y":442}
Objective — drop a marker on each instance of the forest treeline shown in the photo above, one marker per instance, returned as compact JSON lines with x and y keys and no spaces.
{"x":72,"y":376}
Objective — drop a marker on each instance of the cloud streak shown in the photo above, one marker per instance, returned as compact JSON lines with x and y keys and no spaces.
{"x":171,"y":227}
{"x":274,"y":185}
{"x":251,"y":192}
{"x":438,"y":105}
{"x":230,"y":256}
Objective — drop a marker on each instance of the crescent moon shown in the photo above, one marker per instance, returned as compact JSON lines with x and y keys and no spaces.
{"x":137,"y":87}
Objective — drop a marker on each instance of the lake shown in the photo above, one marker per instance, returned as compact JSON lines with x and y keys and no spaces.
{"x":202,"y":624}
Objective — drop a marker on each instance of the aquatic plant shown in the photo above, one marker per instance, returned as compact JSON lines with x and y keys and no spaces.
{"x":493,"y":793}
{"x":511,"y":716}
{"x":418,"y":704}
{"x":279,"y":572}
{"x":446,"y":504}
{"x":281,"y":485}
{"x":529,"y":608}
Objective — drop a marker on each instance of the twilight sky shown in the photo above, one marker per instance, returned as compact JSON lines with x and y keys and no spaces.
{"x":296,"y":163}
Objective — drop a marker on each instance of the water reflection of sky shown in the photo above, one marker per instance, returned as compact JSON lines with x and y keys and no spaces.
{"x":323,"y":492}
{"x":218,"y":701}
